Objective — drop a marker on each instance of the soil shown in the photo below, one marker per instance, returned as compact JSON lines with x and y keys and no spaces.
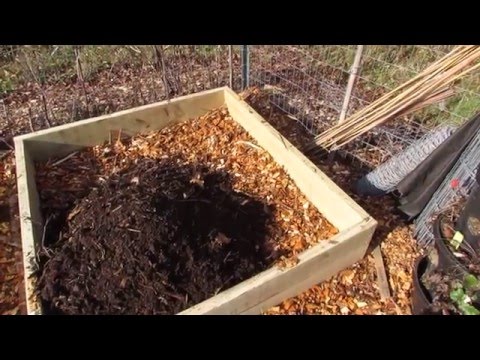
{"x":439,"y":283}
{"x":450,"y":216}
{"x":157,"y":223}
{"x":155,"y":240}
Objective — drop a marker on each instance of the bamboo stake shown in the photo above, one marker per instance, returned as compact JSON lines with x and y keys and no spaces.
{"x":351,"y":137}
{"x":437,"y":98}
{"x":436,"y":67}
{"x":417,"y":96}
{"x":371,"y":108}
{"x":382,"y":115}
{"x":386,"y":96}
{"x":403,"y":103}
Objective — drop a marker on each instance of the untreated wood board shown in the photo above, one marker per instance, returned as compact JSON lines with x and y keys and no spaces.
{"x":270,"y":287}
{"x":382,"y":280}
{"x":30,"y":220}
{"x":64,"y":139}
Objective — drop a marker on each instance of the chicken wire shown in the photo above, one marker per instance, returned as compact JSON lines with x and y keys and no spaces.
{"x":385,"y":178}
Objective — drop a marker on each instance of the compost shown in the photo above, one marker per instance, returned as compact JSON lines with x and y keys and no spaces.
{"x":157,"y":223}
{"x":156,"y":243}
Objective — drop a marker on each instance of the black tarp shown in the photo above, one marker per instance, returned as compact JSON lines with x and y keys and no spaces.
{"x":417,"y":188}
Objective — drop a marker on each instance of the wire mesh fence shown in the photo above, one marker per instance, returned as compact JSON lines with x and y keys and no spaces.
{"x":309,"y":83}
{"x":42,"y":86}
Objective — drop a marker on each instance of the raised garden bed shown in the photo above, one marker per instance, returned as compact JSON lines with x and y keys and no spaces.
{"x":214,"y":222}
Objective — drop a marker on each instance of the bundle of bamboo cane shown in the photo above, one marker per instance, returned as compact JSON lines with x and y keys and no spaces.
{"x":430,"y":86}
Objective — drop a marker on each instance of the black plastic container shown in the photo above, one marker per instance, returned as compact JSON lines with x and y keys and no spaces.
{"x":446,"y":260}
{"x":469,"y":220}
{"x":421,"y":299}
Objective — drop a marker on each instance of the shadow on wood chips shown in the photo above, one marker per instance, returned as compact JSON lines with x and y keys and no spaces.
{"x":156,"y":239}
{"x":4,"y":213}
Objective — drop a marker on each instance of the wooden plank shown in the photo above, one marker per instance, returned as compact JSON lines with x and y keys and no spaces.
{"x":324,"y":194}
{"x":61,"y":140}
{"x":351,"y":82}
{"x":272,"y":286}
{"x":382,"y":280}
{"x":64,"y":139}
{"x":30,"y":220}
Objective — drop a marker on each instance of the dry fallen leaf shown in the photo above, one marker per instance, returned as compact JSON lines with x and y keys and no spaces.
{"x":348,"y":276}
{"x":360,"y":304}
{"x":287,"y":304}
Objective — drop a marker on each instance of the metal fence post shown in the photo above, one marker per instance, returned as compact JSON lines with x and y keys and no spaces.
{"x":230,"y":65}
{"x":245,"y":67}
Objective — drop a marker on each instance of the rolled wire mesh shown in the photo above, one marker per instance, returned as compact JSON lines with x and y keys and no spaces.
{"x":386,"y":177}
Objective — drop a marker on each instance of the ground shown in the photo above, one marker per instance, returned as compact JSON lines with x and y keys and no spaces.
{"x":352,"y":291}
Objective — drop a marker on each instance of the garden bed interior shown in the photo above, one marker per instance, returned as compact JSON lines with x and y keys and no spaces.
{"x":216,"y":215}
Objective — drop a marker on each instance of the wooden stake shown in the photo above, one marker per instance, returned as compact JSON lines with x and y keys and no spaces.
{"x":30,"y":120}
{"x":80,"y":78}
{"x":160,"y":54}
{"x":382,"y":280}
{"x":351,"y":82}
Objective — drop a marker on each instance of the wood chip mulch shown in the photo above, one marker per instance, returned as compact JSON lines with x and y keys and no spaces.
{"x":214,"y":140}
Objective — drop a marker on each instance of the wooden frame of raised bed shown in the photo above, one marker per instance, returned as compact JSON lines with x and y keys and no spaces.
{"x":254,"y":295}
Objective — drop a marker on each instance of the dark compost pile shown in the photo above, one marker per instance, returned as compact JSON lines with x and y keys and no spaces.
{"x":156,"y":242}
